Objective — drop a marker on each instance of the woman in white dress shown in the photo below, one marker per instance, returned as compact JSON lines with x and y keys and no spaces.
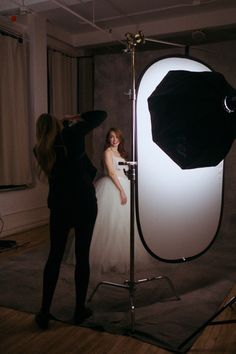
{"x":109,"y":250}
{"x":110,"y":247}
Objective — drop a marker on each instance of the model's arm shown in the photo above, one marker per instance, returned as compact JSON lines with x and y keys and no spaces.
{"x":112,"y":174}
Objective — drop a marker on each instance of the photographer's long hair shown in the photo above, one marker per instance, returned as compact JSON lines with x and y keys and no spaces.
{"x":47,"y":128}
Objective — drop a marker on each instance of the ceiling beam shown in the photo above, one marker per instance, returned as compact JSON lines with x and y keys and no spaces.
{"x":162,"y":27}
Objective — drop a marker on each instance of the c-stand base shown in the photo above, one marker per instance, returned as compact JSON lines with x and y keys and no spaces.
{"x":131,"y":287}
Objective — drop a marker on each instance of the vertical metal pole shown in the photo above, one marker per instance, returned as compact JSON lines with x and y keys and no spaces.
{"x":131,"y":284}
{"x":132,"y":41}
{"x":132,"y":192}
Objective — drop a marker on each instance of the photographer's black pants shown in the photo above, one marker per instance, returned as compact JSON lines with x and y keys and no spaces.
{"x":82,"y":219}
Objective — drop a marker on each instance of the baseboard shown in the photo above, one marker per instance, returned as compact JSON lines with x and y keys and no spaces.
{"x":24,"y":220}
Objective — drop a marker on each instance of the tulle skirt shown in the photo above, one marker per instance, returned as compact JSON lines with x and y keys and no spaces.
{"x":110,"y":243}
{"x":110,"y":247}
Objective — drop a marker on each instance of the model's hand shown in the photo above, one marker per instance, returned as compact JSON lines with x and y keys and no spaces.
{"x":123,"y":198}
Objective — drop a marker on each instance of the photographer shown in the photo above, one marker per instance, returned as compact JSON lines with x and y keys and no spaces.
{"x":60,"y":153}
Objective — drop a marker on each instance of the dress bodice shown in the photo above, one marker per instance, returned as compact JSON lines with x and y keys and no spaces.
{"x":119,"y":169}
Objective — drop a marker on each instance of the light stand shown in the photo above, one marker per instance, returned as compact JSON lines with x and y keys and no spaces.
{"x":131,"y":284}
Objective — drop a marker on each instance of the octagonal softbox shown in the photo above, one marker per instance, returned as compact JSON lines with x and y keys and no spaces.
{"x":188,"y":118}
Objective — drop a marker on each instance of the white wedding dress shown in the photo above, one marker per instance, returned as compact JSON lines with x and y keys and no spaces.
{"x":110,"y":247}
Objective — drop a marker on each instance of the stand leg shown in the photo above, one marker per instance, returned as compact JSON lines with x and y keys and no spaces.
{"x":159,"y":278}
{"x":131,"y":287}
{"x":106,"y":283}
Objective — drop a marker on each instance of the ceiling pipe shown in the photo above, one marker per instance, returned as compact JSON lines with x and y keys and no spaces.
{"x":83,"y":19}
{"x":108,"y":32}
{"x":156,"y":10}
{"x":164,"y":42}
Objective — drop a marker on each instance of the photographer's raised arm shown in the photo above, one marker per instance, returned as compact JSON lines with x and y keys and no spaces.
{"x":87,"y":121}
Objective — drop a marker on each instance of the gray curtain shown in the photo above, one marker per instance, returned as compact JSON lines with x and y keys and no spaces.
{"x":62,"y":76}
{"x":86,"y":94}
{"x":15,"y":164}
{"x":71,"y":83}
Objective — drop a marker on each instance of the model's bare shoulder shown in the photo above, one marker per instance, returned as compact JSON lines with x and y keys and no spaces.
{"x":108,"y":151}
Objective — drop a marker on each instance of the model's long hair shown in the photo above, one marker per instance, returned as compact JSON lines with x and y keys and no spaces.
{"x":121,"y":147}
{"x":47,"y":128}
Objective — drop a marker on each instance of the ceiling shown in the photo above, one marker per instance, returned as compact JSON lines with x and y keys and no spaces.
{"x":97,"y":23}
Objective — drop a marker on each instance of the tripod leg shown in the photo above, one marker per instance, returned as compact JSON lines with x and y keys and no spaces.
{"x":159,"y":278}
{"x":106,"y":283}
{"x":94,"y":291}
{"x":170,"y":285}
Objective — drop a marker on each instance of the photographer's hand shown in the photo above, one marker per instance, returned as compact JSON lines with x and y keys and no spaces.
{"x":72,"y":117}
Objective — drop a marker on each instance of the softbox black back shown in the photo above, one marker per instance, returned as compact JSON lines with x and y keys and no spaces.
{"x":188,"y":120}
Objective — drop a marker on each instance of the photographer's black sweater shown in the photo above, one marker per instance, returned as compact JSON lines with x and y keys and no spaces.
{"x":71,"y":180}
